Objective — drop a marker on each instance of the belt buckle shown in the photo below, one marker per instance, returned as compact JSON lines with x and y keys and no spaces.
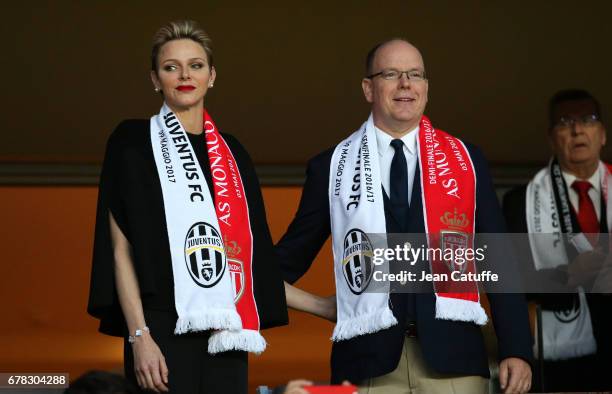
{"x":411,"y":330}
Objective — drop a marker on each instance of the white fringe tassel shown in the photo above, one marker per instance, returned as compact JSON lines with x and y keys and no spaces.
{"x":567,"y":350}
{"x":461,"y":310}
{"x":215,"y":319}
{"x":248,"y":340}
{"x":363,"y":324}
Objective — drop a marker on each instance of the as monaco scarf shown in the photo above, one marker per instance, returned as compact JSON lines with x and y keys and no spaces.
{"x":448,"y":187}
{"x":211,"y":245}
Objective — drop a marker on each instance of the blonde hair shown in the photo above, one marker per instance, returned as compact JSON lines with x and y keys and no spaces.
{"x":178,"y":30}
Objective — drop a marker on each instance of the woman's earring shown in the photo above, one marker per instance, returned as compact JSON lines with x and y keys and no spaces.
{"x":156,"y":90}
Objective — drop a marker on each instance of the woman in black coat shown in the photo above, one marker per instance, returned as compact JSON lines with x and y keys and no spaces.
{"x":189,"y":301}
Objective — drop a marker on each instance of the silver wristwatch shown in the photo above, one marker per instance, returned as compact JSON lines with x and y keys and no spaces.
{"x":137,"y":333}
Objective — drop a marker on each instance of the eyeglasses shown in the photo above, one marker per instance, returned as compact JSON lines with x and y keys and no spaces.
{"x":566,"y":123}
{"x":390,"y":74}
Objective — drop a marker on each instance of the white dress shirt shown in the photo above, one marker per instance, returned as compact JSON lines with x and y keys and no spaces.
{"x":594,"y":192}
{"x":386,"y":152}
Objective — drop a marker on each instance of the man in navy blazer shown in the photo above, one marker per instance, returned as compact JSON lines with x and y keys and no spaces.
{"x":420,"y":353}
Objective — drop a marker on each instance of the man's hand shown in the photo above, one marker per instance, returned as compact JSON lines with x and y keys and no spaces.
{"x":603,"y":282}
{"x":583,"y":270}
{"x":514,"y":375}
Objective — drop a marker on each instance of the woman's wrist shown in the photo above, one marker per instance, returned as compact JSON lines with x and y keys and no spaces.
{"x":137,"y":333}
{"x":326,"y":308}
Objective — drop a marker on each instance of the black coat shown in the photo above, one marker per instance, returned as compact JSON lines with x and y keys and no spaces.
{"x":131,"y":190}
{"x":448,"y":346}
{"x":600,"y":305}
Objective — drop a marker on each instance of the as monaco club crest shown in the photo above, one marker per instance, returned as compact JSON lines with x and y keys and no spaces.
{"x":357,"y":265}
{"x":204,"y":255}
{"x":455,"y":238}
{"x":452,"y":240}
{"x":236,"y":269}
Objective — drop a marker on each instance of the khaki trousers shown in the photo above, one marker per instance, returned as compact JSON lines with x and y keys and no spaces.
{"x":412,"y":376}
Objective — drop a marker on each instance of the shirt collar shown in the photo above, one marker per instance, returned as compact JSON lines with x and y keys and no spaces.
{"x":383,"y":141}
{"x":594,"y":180}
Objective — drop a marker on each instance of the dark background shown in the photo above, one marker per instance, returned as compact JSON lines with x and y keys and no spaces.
{"x":289,"y":72}
{"x":288,"y":87}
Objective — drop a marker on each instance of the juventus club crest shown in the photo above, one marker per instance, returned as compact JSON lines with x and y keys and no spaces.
{"x":453,"y":240}
{"x":569,"y":315}
{"x":357,"y":265}
{"x":205,"y":254}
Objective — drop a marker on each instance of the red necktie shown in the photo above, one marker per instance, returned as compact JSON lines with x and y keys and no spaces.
{"x":587,"y":217}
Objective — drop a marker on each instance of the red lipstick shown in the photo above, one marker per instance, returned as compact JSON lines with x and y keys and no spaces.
{"x":185,"y":88}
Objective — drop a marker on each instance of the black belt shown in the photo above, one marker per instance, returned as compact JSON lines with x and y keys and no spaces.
{"x":411,"y":330}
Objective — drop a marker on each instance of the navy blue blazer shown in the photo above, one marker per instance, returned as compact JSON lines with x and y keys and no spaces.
{"x":448,"y":346}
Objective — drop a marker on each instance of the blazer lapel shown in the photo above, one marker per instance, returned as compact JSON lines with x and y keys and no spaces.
{"x":390,"y":214}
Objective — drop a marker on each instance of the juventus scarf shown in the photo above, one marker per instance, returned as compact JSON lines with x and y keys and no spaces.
{"x":211,"y":245}
{"x":448,"y":193}
{"x":548,"y":211}
{"x":547,"y":198}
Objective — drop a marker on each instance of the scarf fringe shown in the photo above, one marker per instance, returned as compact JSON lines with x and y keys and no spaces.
{"x":568,"y":349}
{"x":247,"y":340}
{"x":363,"y":324}
{"x":460,"y":310}
{"x":213,"y":319}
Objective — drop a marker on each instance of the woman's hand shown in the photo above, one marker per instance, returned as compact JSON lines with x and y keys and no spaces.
{"x":329,"y":308}
{"x":304,"y":301}
{"x":297,"y":387}
{"x":149,"y":364}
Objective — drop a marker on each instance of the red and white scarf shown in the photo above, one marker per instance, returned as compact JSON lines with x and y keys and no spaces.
{"x":448,"y":192}
{"x":211,"y":244}
{"x":448,"y":185}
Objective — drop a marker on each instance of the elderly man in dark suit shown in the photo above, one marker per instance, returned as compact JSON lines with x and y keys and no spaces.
{"x":576,"y":327}
{"x":414,"y":349}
